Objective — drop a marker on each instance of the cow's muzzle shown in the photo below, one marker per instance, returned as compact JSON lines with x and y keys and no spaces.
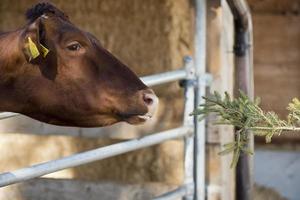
{"x":150,"y":101}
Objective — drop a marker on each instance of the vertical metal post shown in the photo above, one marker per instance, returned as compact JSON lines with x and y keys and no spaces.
{"x":188,"y":121}
{"x":200,"y":66}
{"x":243,"y":50}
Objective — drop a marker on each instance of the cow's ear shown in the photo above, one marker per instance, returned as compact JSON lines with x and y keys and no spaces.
{"x":33,"y":46}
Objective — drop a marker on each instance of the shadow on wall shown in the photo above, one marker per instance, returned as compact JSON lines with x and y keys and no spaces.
{"x":49,"y":189}
{"x":160,"y":163}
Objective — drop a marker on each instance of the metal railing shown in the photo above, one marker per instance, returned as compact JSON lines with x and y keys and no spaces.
{"x":186,"y":131}
{"x":5,"y":115}
{"x":192,"y":131}
{"x":90,"y":156}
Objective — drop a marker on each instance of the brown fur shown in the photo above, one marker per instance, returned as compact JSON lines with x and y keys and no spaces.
{"x":88,"y":87}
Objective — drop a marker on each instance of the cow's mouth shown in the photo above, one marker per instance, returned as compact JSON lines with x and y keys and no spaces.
{"x":136,"y":118}
{"x":145,"y":117}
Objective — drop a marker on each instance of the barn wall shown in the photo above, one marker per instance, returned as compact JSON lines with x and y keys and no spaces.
{"x":276,"y":54}
{"x":220,"y":64}
{"x":149,"y":36}
{"x":276,"y":73}
{"x":277,"y":60}
{"x":274,"y":7}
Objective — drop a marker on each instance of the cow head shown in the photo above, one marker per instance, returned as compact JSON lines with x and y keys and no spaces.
{"x":65,"y":77}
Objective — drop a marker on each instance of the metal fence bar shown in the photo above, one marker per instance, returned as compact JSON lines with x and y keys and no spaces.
{"x":189,"y":94}
{"x":164,"y":77}
{"x":174,"y":194}
{"x":5,"y":115}
{"x":90,"y":156}
{"x":200,"y":66}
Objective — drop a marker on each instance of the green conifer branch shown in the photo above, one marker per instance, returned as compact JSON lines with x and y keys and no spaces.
{"x":248,"y":118}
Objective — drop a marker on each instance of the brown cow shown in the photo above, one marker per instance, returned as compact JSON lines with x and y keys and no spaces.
{"x":76,"y":83}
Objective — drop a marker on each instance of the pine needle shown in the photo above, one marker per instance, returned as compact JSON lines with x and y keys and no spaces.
{"x":248,"y":118}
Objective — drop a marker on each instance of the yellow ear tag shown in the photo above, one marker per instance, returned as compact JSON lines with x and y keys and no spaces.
{"x":44,"y":50}
{"x":33,"y":50}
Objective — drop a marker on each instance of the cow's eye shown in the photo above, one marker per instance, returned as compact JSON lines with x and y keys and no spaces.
{"x":74,"y":46}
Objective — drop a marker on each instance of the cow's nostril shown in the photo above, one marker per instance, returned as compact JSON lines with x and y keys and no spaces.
{"x":148,"y":99}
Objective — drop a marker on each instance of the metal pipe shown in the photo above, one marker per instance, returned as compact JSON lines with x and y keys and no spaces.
{"x":164,"y":77}
{"x":90,"y":156}
{"x":174,"y":194}
{"x":243,"y":50}
{"x":187,"y":190}
{"x":5,"y":115}
{"x":189,"y":95}
{"x":200,"y":66}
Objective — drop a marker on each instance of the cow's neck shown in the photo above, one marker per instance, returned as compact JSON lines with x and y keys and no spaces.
{"x":11,"y":62}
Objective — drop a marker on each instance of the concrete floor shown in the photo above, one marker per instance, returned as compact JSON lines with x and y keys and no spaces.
{"x":279,"y":170}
